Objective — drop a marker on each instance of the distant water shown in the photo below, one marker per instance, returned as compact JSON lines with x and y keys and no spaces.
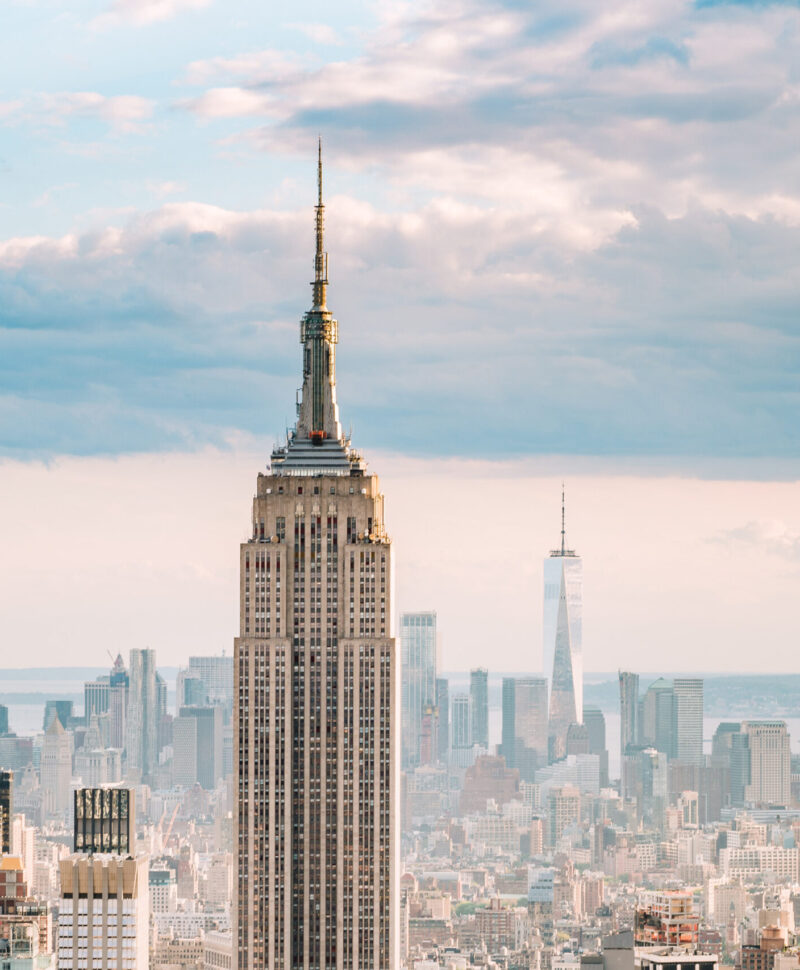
{"x":459,"y":683}
{"x":26,"y":716}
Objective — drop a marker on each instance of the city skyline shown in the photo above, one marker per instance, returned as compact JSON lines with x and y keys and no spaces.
{"x":563,"y":241}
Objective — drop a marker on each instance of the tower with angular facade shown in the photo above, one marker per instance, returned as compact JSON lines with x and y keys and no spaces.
{"x":418,"y":664}
{"x":315,"y":683}
{"x":142,"y":717}
{"x":563,"y":644}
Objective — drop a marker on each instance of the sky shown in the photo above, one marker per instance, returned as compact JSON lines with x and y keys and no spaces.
{"x":563,"y":244}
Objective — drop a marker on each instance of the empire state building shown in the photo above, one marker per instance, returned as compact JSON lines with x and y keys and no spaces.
{"x":315,"y":679}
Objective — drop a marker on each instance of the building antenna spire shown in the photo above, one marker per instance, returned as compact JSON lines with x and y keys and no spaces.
{"x":563,"y":527}
{"x":320,"y":283}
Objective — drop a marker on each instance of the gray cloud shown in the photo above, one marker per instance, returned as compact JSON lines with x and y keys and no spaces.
{"x":464,"y":331}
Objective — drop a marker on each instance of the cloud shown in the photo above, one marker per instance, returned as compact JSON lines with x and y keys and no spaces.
{"x":464,"y":330}
{"x":230,"y":102}
{"x":661,"y":103}
{"x":319,"y":33}
{"x":770,"y":537}
{"x":143,"y":12}
{"x":125,"y":113}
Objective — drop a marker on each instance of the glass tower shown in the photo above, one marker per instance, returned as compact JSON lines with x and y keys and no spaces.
{"x":563,"y":643}
{"x":418,"y":659}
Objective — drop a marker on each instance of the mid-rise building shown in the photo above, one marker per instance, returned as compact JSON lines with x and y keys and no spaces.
{"x":163,"y":886}
{"x":666,"y":918}
{"x":418,"y":662}
{"x":564,"y":810}
{"x":563,"y":641}
{"x":25,"y":930}
{"x":315,"y":679}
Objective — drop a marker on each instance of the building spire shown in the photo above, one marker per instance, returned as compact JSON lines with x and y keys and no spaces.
{"x":563,"y":520}
{"x":320,"y":283}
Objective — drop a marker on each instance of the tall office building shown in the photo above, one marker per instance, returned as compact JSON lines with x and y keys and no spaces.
{"x":688,"y":710}
{"x":479,"y":693}
{"x":56,"y":770}
{"x":770,"y":763}
{"x":563,"y":640}
{"x":95,"y":698}
{"x":315,"y":676}
{"x":3,"y":719}
{"x":524,"y":738}
{"x":657,"y":717}
{"x":460,"y":721}
{"x":443,"y":714}
{"x":217,"y":675}
{"x":418,"y":664}
{"x":142,"y":720}
{"x":596,"y":726}
{"x":104,"y":913}
{"x":628,"y":711}
{"x":197,"y":743}
{"x":6,"y":809}
{"x":105,"y":821}
{"x":118,"y":683}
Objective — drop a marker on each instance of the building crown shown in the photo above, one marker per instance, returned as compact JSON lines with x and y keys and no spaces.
{"x":316,"y":445}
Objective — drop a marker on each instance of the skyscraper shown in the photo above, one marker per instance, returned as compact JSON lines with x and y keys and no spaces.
{"x":418,"y":664}
{"x":563,"y":641}
{"x":315,"y":676}
{"x":104,"y":913}
{"x":118,"y":703}
{"x":443,"y":713}
{"x":628,"y":711}
{"x":596,"y":726}
{"x":461,"y":730}
{"x":206,"y":751}
{"x":688,"y":712}
{"x":105,"y":820}
{"x":770,"y":763}
{"x":56,"y":770}
{"x":657,"y":717}
{"x":6,"y":809}
{"x":479,"y":692}
{"x":142,"y":720}
{"x":524,"y":738}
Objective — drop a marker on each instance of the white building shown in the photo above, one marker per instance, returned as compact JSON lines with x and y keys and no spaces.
{"x":103,"y":919}
{"x":748,"y":861}
{"x":56,"y":770}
